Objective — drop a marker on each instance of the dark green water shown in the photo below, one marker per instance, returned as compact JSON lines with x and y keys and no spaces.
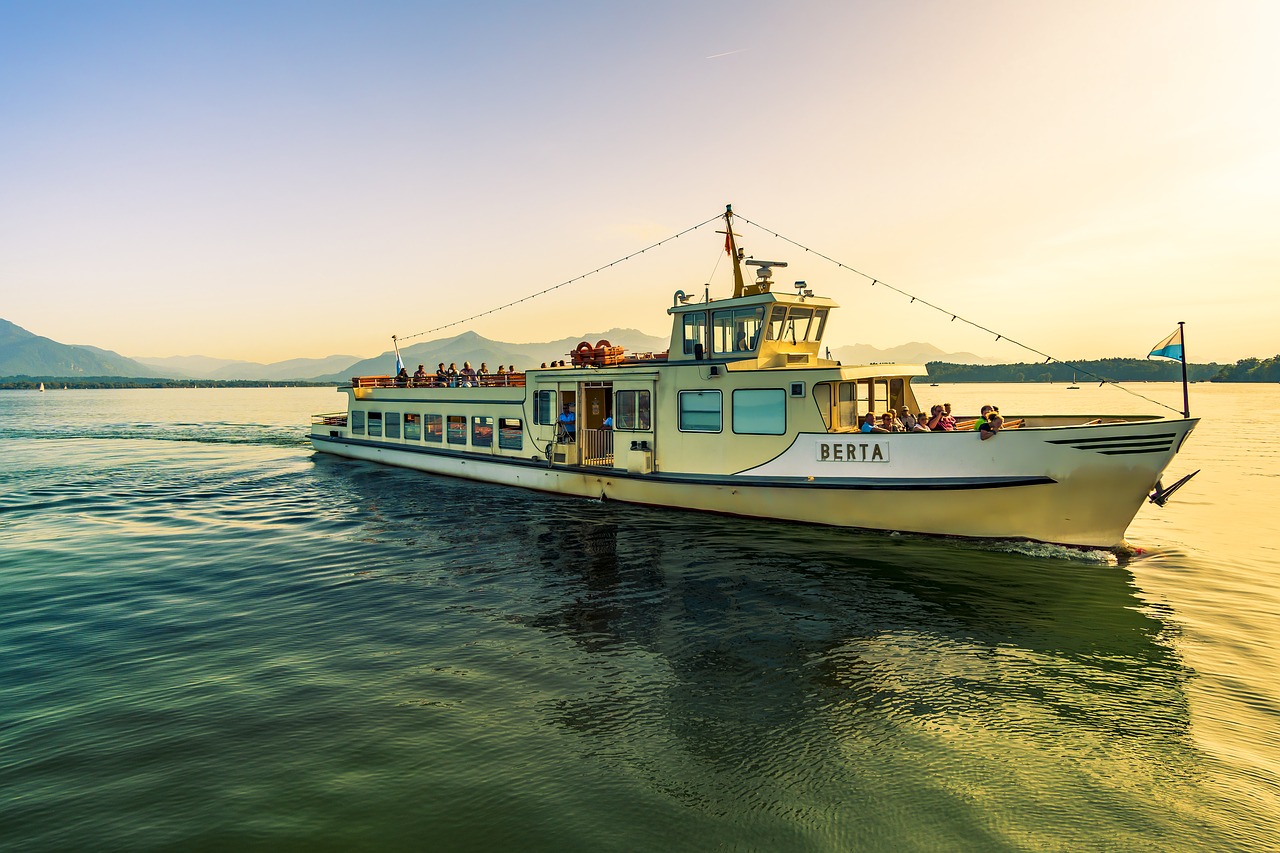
{"x":215,"y":639}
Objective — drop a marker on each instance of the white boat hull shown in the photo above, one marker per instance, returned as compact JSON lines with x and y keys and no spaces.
{"x":1078,"y":485}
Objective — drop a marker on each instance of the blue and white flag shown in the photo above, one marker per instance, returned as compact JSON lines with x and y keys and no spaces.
{"x":400,"y":362}
{"x":1170,"y":347}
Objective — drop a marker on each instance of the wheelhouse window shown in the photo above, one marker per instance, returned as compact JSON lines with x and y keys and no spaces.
{"x":776,"y":323}
{"x":632,"y":408}
{"x":544,"y":407}
{"x":393,"y":424}
{"x":736,"y":330}
{"x":510,"y":434}
{"x":700,"y":411}
{"x":799,"y":324}
{"x":375,"y":424}
{"x":695,"y":331}
{"x":457,"y":429}
{"x":412,"y":427}
{"x":435,"y":428}
{"x":357,"y":421}
{"x":481,"y":431}
{"x":760,"y":411}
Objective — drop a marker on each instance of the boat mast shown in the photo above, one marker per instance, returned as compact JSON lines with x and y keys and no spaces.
{"x":731,"y":246}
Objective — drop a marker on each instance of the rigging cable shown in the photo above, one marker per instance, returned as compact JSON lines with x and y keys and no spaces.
{"x":954,"y":316}
{"x":545,"y":291}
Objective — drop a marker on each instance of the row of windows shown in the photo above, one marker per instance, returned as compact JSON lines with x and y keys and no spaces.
{"x":756,"y":411}
{"x":438,"y":429}
{"x":737,"y":330}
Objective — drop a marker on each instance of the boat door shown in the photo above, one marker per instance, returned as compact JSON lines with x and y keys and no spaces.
{"x":595,"y":423}
{"x":634,"y":444}
{"x":553,"y":396}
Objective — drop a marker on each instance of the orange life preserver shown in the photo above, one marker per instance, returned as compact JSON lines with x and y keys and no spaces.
{"x":601,"y":344}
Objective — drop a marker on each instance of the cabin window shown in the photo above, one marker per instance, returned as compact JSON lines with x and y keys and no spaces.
{"x":760,"y":411}
{"x":632,"y":409}
{"x":510,"y":434}
{"x":695,"y":331}
{"x":412,"y":427}
{"x":544,"y":407}
{"x":435,"y":428}
{"x":847,"y":405}
{"x":393,"y":424}
{"x":875,"y":395}
{"x":357,"y":421}
{"x":375,"y":424}
{"x":897,"y":393}
{"x":457,"y":429}
{"x":822,"y":396}
{"x":700,"y":411}
{"x":481,"y":431}
{"x":736,"y":330}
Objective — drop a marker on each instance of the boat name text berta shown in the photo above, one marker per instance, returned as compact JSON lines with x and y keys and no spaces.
{"x":845,"y":451}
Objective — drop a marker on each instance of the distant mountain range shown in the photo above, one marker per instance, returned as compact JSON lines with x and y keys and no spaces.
{"x":25,"y":354}
{"x":912,"y":353}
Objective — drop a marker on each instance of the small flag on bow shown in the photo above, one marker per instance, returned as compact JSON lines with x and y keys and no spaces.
{"x":1170,"y":347}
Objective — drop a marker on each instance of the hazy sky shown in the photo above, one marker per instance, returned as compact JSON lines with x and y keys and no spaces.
{"x":270,"y":180}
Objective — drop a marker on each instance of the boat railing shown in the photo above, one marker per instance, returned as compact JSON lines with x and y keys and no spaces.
{"x":597,"y":447}
{"x":489,"y":380}
{"x":333,"y":419}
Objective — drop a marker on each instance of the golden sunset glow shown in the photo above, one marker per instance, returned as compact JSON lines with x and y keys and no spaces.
{"x":237,"y":181}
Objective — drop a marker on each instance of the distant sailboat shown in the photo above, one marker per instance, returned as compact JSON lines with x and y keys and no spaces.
{"x":1073,"y":386}
{"x":41,"y":386}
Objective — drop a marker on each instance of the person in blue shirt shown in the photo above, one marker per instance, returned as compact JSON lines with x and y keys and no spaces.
{"x":568,"y":422}
{"x":869,"y":423}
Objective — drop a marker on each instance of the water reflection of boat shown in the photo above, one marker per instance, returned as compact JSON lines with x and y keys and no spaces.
{"x":742,"y":416}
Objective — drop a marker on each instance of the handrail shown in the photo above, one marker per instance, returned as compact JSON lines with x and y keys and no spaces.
{"x":488,"y":380}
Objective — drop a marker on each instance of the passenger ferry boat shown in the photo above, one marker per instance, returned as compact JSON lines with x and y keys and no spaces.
{"x":743,"y":416}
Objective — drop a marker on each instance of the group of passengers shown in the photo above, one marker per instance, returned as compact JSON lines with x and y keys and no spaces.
{"x":452,"y":377}
{"x":939,"y":419}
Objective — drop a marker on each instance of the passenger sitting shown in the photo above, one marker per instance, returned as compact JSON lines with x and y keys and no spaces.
{"x":468,"y":375}
{"x":869,"y":423}
{"x":608,"y":423}
{"x":922,"y":423}
{"x":483,"y":371}
{"x":890,"y":423}
{"x":420,"y":375}
{"x":453,"y":374}
{"x":991,"y":426}
{"x":402,"y":378}
{"x":982,"y":417}
{"x":442,"y":376}
{"x":946,"y":422}
{"x":907,"y":419}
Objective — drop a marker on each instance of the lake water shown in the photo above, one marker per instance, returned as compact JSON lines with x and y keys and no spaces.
{"x":214,"y":638}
